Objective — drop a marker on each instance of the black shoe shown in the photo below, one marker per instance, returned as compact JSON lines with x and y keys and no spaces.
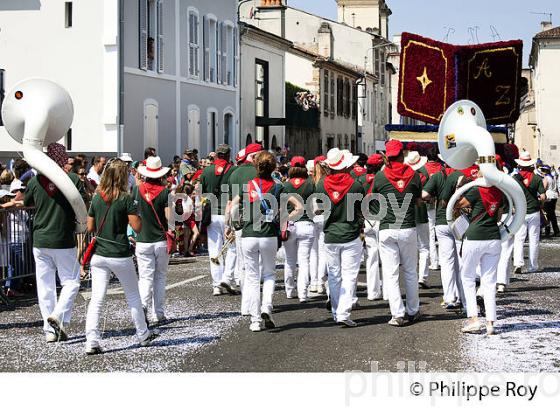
{"x":423,"y":285}
{"x":94,"y":350}
{"x":414,"y":318}
{"x":61,"y":335}
{"x":268,"y":322}
{"x":229,"y":289}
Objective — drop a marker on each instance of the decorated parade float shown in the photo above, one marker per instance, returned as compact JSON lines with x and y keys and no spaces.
{"x":433,"y":75}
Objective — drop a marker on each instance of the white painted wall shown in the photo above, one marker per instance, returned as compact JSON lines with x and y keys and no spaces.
{"x":547,"y":100}
{"x":253,"y":47}
{"x":83,"y":59}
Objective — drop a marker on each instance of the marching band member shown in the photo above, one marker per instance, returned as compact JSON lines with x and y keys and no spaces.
{"x":534,"y":190}
{"x":213,"y":178}
{"x":54,"y":248}
{"x":481,"y":248}
{"x":371,"y":233}
{"x":319,"y":261}
{"x":260,"y":240}
{"x":111,"y":211}
{"x":397,"y":237}
{"x":240,"y":177}
{"x":151,"y":197}
{"x":342,"y":233}
{"x":441,"y":187}
{"x":300,"y":242}
{"x":433,"y":166}
{"x":417,"y":163}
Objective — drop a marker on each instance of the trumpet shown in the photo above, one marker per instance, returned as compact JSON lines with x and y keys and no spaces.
{"x":216,"y":259}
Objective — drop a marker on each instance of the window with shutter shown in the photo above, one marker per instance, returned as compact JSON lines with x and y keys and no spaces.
{"x":326,"y":94}
{"x":194,"y":44}
{"x":143,"y":34}
{"x":332,"y":95}
{"x":224,"y":44}
{"x":212,"y":50}
{"x":160,"y":39}
{"x":218,"y":53}
{"x":206,"y":45}
{"x":235,"y":56}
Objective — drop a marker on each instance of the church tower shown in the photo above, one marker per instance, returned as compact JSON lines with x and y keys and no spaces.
{"x":367,"y":15}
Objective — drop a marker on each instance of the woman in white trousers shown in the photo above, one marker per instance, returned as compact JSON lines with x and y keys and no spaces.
{"x":260,"y":241}
{"x":151,"y":243}
{"x":481,"y":248}
{"x":299,"y":245}
{"x":318,"y":264}
{"x":112,"y":210}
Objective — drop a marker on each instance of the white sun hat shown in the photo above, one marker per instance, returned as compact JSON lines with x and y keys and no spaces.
{"x":126,"y":157}
{"x":339,"y":159}
{"x":310,"y":165}
{"x":525,"y":159}
{"x":153,"y":168}
{"x":415,"y":161}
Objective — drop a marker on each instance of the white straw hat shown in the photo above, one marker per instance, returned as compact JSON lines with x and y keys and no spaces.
{"x":415,"y":161}
{"x":340,"y":159}
{"x":525,"y":159}
{"x":153,"y":168}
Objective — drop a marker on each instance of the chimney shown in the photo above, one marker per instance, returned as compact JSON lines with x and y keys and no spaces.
{"x":272,"y":3}
{"x":325,"y":40}
{"x":546,"y":25}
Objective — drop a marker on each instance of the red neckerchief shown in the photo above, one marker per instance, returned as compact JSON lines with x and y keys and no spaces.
{"x":423,"y":178}
{"x":297,"y":182}
{"x":399,"y":175}
{"x":433,"y":167}
{"x":449,"y":170}
{"x":264,"y":185}
{"x":221,"y":166}
{"x":491,"y":199}
{"x":196,"y":175}
{"x":49,"y":187}
{"x":527,"y":177}
{"x":369,"y":182}
{"x":359,"y":171}
{"x":150,"y":191}
{"x":470,"y":172}
{"x":337,"y":186}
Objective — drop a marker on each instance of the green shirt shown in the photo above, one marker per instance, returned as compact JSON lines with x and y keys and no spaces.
{"x":112,"y":241}
{"x":373,"y":203}
{"x":212,"y":184}
{"x":54,"y":222}
{"x":339,"y":228}
{"x":442,"y":187}
{"x":305,"y":191}
{"x":251,"y":228}
{"x":421,"y":211}
{"x":239,"y":178}
{"x":532,"y":192}
{"x":483,"y":227}
{"x":151,"y":231}
{"x":383,"y":186}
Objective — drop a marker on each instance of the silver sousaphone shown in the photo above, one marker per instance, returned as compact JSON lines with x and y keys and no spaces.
{"x":37,"y":112}
{"x":464,"y":140}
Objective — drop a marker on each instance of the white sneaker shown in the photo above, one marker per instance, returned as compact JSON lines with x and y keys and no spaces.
{"x":255,"y":327}
{"x":320,"y":289}
{"x":149,"y":339}
{"x":472,"y":327}
{"x":50,"y":337}
{"x":313,"y":289}
{"x":501,"y":288}
{"x":216,"y":291}
{"x":291,"y":295}
{"x":58,"y":327}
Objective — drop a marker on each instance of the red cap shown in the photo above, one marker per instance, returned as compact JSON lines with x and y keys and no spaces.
{"x":298,"y":162}
{"x":252,"y":148}
{"x":375,"y":159}
{"x":499,"y":160}
{"x":393,"y":148}
{"x":320,"y":158}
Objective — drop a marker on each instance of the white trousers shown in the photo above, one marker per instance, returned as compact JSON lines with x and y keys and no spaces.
{"x":449,"y":262}
{"x":298,"y":255}
{"x":531,"y":227}
{"x":423,"y":238}
{"x":318,"y":254}
{"x":225,"y":270}
{"x":101,"y":268}
{"x":398,"y":246}
{"x":504,"y":265}
{"x":373,"y":276}
{"x":257,"y":252}
{"x":343,"y":264}
{"x":434,"y":260}
{"x":48,"y":263}
{"x":153,"y":262}
{"x":485,"y":254}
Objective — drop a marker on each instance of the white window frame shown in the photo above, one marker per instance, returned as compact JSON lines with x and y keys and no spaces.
{"x":193,"y":46}
{"x":236,"y":46}
{"x":232,"y":136}
{"x":143,"y":31}
{"x":211,"y":49}
{"x":228,"y":53}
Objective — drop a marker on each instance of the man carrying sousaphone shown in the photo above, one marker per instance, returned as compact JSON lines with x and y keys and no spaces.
{"x":342,"y":228}
{"x":152,"y":254}
{"x":401,"y":188}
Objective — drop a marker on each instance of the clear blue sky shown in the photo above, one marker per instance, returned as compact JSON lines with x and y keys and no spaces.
{"x":511,"y":18}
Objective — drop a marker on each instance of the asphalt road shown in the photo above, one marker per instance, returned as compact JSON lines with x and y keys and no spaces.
{"x":207,"y":334}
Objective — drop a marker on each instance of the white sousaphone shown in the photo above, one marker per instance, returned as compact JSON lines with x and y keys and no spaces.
{"x":37,"y":112}
{"x":464,"y":140}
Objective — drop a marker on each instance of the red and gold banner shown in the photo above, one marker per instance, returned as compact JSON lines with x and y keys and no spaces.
{"x":433,"y":75}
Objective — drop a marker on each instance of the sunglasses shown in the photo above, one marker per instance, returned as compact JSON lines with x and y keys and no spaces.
{"x":82,"y":174}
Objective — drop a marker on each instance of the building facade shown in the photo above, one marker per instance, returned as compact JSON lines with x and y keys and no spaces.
{"x":544,"y":60}
{"x":358,"y":43}
{"x":161,"y":73}
{"x":525,"y":131}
